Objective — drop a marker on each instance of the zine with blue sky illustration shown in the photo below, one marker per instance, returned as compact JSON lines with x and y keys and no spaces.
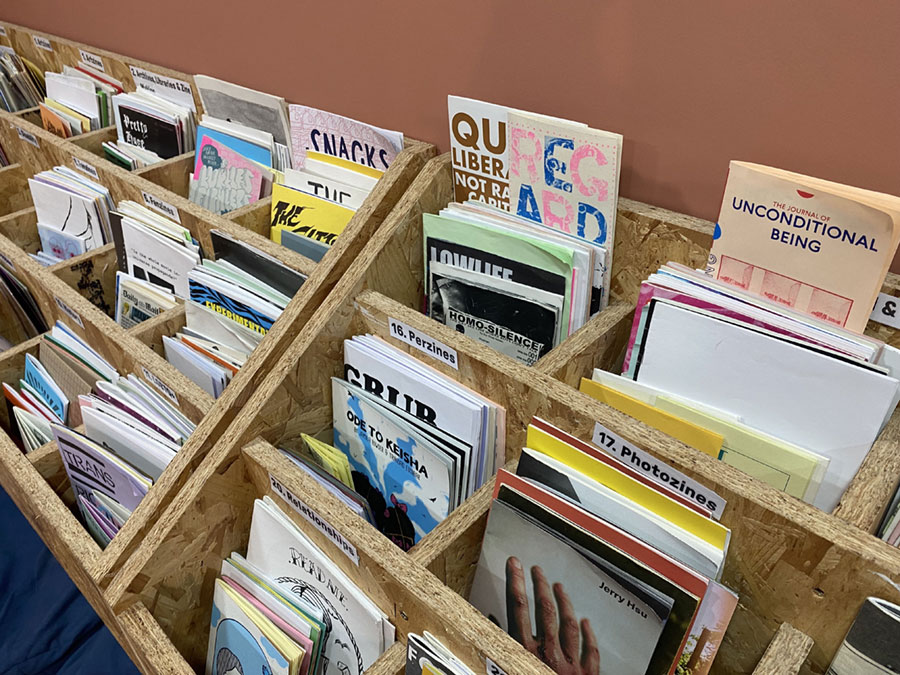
{"x":407,"y":481}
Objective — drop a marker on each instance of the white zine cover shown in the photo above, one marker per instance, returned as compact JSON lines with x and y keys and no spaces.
{"x":620,"y":621}
{"x":784,"y":389}
{"x":342,"y":137}
{"x":68,"y":212}
{"x":478,"y":150}
{"x":410,"y":473}
{"x":153,"y":258}
{"x":357,"y":634}
{"x":446,"y":409}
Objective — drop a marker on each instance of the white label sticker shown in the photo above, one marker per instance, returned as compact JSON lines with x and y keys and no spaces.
{"x":424,"y":343}
{"x":163,"y":207}
{"x":493,"y":668}
{"x":84,"y":167}
{"x":886,"y":310}
{"x":165,"y":389}
{"x":2,"y":31}
{"x":6,"y":261}
{"x":176,"y":91}
{"x":28,"y":137}
{"x":42,"y":42}
{"x":657,"y":470}
{"x":69,"y":312}
{"x":315,"y":520}
{"x":92,"y":60}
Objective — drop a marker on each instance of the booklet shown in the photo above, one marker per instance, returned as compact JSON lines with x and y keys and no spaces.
{"x":359,"y":631}
{"x":871,"y":643}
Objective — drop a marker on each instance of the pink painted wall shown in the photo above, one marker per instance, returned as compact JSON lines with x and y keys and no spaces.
{"x":810,"y":85}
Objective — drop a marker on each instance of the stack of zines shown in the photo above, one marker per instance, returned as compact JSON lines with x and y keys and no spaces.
{"x":73,"y":214}
{"x":275,"y":610}
{"x":131,"y":433}
{"x":78,"y":100}
{"x":150,"y":129}
{"x":234,"y":301}
{"x":410,"y":444}
{"x":426,"y":655}
{"x":763,"y":349}
{"x":336,"y":162}
{"x":18,"y":305}
{"x":317,"y":167}
{"x":620,"y":573}
{"x":22,"y":84}
{"x":527,"y":268}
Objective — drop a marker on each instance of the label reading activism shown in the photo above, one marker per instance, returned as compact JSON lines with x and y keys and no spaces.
{"x":165,"y":389}
{"x":6,"y":261}
{"x":315,"y":520}
{"x":424,"y":343}
{"x":43,"y":43}
{"x":657,"y":470}
{"x":163,"y":207}
{"x":886,"y":310}
{"x":92,"y":60}
{"x":69,"y":312}
{"x":84,"y":167}
{"x":28,"y":137}
{"x":176,"y":91}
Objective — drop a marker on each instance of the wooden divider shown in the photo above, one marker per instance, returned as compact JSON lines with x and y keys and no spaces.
{"x":788,"y":561}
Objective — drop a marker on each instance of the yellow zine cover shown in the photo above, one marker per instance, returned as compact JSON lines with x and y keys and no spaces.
{"x":307,"y":216}
{"x":662,"y":505}
{"x":704,"y":440}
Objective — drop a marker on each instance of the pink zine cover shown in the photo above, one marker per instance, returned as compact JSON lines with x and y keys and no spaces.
{"x":290,"y":631}
{"x":338,"y":136}
{"x":226,"y":172}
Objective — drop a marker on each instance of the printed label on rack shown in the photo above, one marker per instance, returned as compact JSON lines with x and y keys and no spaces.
{"x":69,"y":312}
{"x":657,"y":470}
{"x":84,"y":167}
{"x":424,"y":343}
{"x":42,"y":42}
{"x":92,"y":60}
{"x":493,"y":668}
{"x":176,"y":91}
{"x":28,"y":137}
{"x":315,"y":520}
{"x":886,"y":310}
{"x":6,"y":261}
{"x":163,"y":207}
{"x":165,"y":389}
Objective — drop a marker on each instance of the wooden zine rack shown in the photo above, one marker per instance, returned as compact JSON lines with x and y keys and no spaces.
{"x":791,"y":564}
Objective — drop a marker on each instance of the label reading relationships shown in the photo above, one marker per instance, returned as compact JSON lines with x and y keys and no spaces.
{"x":424,"y":343}
{"x":657,"y":470}
{"x":315,"y":520}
